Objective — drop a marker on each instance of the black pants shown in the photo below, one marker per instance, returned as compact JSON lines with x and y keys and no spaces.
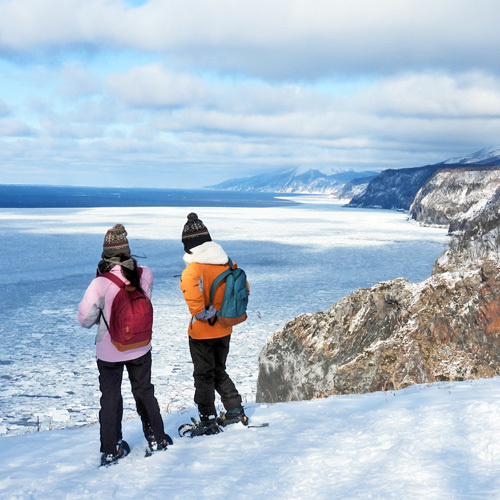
{"x":209,"y":359}
{"x":110,"y":416}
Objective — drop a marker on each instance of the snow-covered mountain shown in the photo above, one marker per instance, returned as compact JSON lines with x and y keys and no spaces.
{"x":396,"y":189}
{"x":340,"y":185}
{"x":476,"y":240}
{"x":486,"y":156}
{"x":450,"y":196}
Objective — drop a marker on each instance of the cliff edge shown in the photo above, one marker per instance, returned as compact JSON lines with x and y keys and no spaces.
{"x":398,"y":333}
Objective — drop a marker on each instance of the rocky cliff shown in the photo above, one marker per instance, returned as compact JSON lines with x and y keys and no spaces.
{"x":397,"y":333}
{"x":396,"y":189}
{"x":454,"y":195}
{"x":476,"y":240}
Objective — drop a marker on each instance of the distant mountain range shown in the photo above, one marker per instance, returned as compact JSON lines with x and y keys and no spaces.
{"x":341,"y":185}
{"x":391,"y":189}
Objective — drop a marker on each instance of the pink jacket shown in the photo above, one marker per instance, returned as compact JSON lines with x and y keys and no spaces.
{"x":99,"y":297}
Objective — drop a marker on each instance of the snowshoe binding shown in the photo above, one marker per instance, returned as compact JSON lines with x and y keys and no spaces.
{"x":204,"y":426}
{"x":154,"y":446}
{"x":122,"y":450}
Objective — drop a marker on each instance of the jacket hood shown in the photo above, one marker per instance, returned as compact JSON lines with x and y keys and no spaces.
{"x":207,"y":253}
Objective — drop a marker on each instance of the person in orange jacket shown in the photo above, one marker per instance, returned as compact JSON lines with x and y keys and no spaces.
{"x":208,"y":340}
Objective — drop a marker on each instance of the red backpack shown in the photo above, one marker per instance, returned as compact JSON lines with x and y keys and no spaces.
{"x":131,"y":322}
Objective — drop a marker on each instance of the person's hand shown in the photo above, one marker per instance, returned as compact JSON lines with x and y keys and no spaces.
{"x":206,"y":313}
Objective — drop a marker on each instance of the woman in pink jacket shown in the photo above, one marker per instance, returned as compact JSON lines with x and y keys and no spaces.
{"x":96,"y":308}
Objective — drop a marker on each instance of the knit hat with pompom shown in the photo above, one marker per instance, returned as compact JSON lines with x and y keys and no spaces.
{"x":194,"y":233}
{"x":115,"y":242}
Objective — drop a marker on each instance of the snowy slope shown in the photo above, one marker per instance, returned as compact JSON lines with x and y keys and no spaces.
{"x":486,"y":156}
{"x":425,"y":442}
{"x":301,"y":181}
{"x":454,"y":195}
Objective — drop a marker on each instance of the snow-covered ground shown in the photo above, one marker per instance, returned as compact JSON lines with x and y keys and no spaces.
{"x":298,"y":258}
{"x":435,"y":442}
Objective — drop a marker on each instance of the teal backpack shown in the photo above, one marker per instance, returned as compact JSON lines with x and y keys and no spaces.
{"x":235,"y":302}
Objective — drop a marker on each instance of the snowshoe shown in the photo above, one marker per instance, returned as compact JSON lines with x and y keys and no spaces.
{"x":122,"y":450}
{"x":205,"y":426}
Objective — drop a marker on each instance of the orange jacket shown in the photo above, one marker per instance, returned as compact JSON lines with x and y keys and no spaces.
{"x":196,"y":281}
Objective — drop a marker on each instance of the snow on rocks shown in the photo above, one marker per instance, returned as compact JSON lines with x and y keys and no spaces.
{"x":454,"y":195}
{"x":396,"y":333}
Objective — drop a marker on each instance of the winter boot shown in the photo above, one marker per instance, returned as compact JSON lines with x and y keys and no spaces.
{"x":206,"y":425}
{"x":148,"y":432}
{"x":233,"y":416}
{"x":122,"y":450}
{"x":153,"y":445}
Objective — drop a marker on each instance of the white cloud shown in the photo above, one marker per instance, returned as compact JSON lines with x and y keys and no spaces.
{"x":259,"y":109}
{"x":243,"y":86}
{"x":294,"y":39}
{"x":435,"y":95}
{"x":4,"y":109}
{"x":78,"y":81}
{"x":153,"y":85}
{"x":15,"y":128}
{"x":58,"y":129}
{"x":278,"y":125}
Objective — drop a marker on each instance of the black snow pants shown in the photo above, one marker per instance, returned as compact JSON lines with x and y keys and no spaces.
{"x":110,"y":416}
{"x":209,"y":360}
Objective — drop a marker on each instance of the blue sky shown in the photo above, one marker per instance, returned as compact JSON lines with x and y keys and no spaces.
{"x":185,"y":93}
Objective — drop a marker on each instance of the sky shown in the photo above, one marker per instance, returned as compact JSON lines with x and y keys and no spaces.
{"x":185,"y":93}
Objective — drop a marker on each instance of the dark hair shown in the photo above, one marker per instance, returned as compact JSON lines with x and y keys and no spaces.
{"x":131,"y":274}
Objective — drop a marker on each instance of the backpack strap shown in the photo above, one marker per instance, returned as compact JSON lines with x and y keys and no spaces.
{"x":115,"y":279}
{"x":118,"y":282}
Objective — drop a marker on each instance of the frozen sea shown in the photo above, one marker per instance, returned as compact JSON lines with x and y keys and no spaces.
{"x":300,"y":257}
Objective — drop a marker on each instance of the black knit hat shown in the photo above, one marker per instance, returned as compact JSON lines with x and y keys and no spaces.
{"x":194,"y":233}
{"x":115,"y":242}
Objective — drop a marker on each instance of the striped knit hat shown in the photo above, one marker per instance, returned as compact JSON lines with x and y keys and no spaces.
{"x":194,"y":233}
{"x":115,"y":242}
